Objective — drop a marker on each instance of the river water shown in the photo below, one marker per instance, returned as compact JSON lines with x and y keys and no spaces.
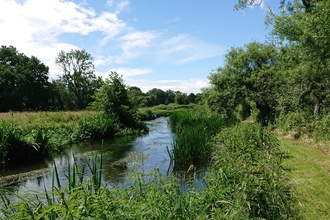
{"x":120,"y":156}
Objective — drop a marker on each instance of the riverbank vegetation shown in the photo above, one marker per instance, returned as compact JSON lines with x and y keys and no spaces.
{"x":32,"y":137}
{"x":26,"y":138}
{"x":194,"y":131}
{"x":263,"y":88}
{"x":245,"y":181}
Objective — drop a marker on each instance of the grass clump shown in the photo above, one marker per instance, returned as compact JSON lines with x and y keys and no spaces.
{"x":194,"y":131}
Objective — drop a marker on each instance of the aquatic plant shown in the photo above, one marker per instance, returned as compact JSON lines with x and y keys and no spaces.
{"x":194,"y":131}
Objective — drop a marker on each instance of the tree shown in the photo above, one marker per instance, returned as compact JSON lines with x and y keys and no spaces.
{"x":249,"y":74}
{"x":181,"y":98}
{"x":23,"y":81}
{"x":308,"y":37}
{"x":156,"y":96}
{"x":169,"y":96}
{"x":113,"y":99}
{"x":136,"y":96}
{"x":191,"y":98}
{"x":78,"y":75}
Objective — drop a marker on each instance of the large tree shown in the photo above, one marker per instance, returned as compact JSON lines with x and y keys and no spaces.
{"x":307,"y":34}
{"x":23,"y":81}
{"x":78,"y":75}
{"x":249,"y":75}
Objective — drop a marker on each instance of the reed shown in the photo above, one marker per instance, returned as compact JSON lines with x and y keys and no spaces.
{"x":194,"y":131}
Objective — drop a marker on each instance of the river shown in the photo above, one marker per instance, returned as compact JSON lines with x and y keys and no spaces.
{"x":120,"y":156}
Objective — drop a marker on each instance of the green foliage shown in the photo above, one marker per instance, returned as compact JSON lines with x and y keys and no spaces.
{"x":23,"y":81}
{"x":306,"y":36}
{"x":249,"y":73}
{"x":248,"y":161}
{"x":293,"y":121}
{"x":114,"y":101}
{"x":78,"y":79}
{"x":163,"y":110}
{"x":145,"y":114}
{"x":322,"y":129}
{"x":97,"y":127}
{"x":33,"y":137}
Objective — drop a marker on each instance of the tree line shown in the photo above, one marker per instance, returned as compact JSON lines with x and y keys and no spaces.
{"x":25,"y":84}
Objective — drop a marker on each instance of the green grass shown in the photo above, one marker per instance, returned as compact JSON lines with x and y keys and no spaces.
{"x":309,"y":170}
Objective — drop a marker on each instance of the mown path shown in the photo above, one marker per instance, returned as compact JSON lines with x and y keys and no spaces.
{"x":309,"y":171}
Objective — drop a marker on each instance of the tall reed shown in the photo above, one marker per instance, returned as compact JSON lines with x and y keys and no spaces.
{"x":194,"y":131}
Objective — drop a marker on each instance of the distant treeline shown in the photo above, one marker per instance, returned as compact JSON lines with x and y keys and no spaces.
{"x":25,"y":84}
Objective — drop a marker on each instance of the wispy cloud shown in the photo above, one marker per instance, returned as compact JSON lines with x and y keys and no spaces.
{"x":129,"y":72}
{"x":134,"y":43}
{"x":117,"y":5}
{"x":186,"y":48}
{"x":174,"y":20}
{"x":254,"y":3}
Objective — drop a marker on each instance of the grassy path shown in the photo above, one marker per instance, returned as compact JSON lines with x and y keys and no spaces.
{"x":309,"y":171}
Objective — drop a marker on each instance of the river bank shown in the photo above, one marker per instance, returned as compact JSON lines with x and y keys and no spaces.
{"x":120,"y":155}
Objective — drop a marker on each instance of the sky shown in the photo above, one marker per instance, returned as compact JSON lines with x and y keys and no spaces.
{"x":164,"y":44}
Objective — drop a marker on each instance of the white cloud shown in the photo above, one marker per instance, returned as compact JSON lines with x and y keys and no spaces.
{"x":191,"y":85}
{"x":100,"y":60}
{"x":129,"y":72}
{"x":34,"y":27}
{"x":134,"y":43}
{"x":254,"y":3}
{"x":117,"y":5}
{"x":185,"y":48}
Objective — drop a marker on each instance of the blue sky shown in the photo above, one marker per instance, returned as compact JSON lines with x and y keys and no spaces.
{"x":172,"y":44}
